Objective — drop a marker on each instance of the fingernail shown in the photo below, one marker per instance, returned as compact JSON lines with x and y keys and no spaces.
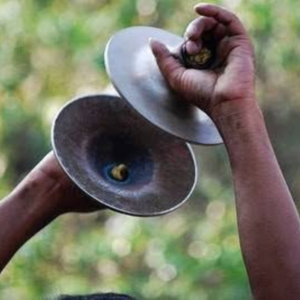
{"x":197,"y":6}
{"x":150,"y":40}
{"x":190,"y":31}
{"x":153,"y":42}
{"x":155,"y":46}
{"x":192,"y":48}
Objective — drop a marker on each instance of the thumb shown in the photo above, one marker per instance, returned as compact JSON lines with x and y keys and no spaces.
{"x":169,"y":65}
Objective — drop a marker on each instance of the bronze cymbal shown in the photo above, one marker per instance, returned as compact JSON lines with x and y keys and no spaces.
{"x":119,"y":159}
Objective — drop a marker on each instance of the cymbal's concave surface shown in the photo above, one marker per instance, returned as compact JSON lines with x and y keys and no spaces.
{"x":119,"y":159}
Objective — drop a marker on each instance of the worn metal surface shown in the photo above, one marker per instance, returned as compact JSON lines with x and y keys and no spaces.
{"x":135,"y":75}
{"x":93,"y":134}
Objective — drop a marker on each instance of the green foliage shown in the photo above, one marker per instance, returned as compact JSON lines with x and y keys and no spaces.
{"x":52,"y":51}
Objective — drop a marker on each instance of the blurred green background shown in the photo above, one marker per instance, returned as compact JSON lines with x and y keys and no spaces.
{"x":52,"y":51}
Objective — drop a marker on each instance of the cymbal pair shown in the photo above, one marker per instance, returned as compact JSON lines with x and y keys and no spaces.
{"x":133,"y":158}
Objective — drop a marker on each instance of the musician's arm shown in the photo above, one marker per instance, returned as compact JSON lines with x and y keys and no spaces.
{"x":42,"y":196}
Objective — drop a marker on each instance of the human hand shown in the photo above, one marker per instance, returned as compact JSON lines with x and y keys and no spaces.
{"x":70,"y":197}
{"x":233,"y":77}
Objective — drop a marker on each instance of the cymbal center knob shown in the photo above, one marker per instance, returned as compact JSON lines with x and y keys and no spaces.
{"x":119,"y":172}
{"x":202,"y":60}
{"x":202,"y":57}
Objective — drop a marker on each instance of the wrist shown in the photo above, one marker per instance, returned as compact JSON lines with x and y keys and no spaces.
{"x":239,"y":120}
{"x":39,"y":196}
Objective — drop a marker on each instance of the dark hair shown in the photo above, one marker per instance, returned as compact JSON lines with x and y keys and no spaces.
{"x":107,"y":296}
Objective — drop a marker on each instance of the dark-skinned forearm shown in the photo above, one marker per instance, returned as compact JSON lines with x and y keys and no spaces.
{"x":269,"y":225}
{"x":29,"y":208}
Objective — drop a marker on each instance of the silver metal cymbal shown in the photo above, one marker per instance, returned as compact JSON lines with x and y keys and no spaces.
{"x":134,"y":73}
{"x":119,"y":159}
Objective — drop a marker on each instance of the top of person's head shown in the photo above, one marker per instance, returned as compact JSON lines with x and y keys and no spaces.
{"x":107,"y":296}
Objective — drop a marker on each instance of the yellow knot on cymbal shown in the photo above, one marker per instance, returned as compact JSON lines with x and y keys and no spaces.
{"x":119,"y":172}
{"x":202,"y":57}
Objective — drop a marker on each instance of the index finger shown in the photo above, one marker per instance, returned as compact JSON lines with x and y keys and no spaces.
{"x":196,"y":28}
{"x":223,"y":16}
